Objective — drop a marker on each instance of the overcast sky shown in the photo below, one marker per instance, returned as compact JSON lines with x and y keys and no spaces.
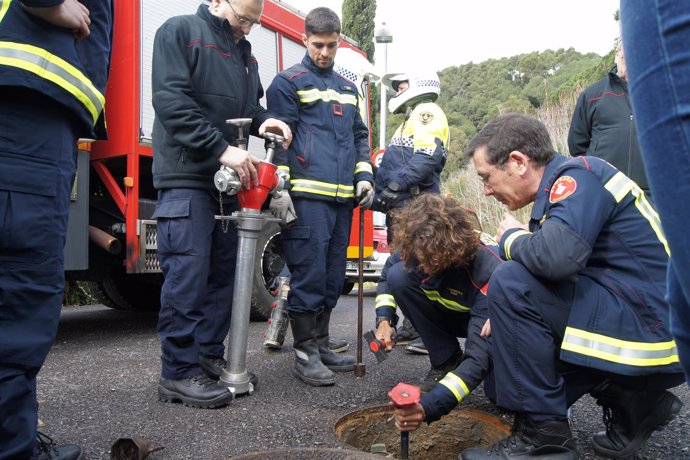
{"x":442,"y":33}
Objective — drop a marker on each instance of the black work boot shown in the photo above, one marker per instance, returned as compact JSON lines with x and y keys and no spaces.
{"x":337,"y":345}
{"x":550,"y":440}
{"x":195,"y":391}
{"x":406,"y":333}
{"x":630,"y":417}
{"x":335,"y":362}
{"x":437,"y":373}
{"x":308,"y":365}
{"x":46,"y":449}
{"x":214,"y":367}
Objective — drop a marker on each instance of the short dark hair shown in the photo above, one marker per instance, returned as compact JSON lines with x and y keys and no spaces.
{"x":513,"y":131}
{"x":321,"y":20}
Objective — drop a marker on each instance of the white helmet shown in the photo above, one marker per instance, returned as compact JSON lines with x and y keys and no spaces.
{"x":354,"y":66}
{"x":425,"y":86}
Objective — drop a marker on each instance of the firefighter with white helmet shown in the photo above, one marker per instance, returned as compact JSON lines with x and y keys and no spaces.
{"x":411,"y":166}
{"x":417,"y":151}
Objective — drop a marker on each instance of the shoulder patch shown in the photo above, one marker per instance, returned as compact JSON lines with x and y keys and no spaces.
{"x":562,"y":189}
{"x":426,"y":117}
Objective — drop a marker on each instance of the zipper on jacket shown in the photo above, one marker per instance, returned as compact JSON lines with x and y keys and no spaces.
{"x":630,"y":144}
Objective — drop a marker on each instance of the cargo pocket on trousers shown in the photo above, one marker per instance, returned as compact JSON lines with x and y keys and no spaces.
{"x":174,"y":226}
{"x":299,"y":250}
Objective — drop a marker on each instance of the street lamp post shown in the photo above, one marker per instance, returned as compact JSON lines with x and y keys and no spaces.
{"x":384,"y":37}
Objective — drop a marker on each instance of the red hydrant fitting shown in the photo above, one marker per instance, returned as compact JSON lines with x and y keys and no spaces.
{"x":404,"y":395}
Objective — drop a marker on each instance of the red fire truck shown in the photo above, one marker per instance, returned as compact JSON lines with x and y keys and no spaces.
{"x":111,"y":240}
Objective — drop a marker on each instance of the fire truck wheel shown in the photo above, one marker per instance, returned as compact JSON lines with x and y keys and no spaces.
{"x":128,"y":292}
{"x":268,"y":263}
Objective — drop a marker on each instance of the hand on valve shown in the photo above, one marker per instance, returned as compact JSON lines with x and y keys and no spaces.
{"x":273,"y":125}
{"x":243,"y":163}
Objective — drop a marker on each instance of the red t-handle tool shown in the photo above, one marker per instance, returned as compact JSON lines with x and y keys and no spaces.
{"x":404,"y":395}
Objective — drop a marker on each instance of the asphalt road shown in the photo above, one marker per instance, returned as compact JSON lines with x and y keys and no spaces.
{"x":99,"y":384}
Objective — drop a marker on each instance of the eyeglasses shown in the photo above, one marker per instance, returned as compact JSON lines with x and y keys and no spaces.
{"x":243,"y":21}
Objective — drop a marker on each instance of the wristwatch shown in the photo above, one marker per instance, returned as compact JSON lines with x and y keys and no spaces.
{"x":393,"y":186}
{"x":380,"y":319}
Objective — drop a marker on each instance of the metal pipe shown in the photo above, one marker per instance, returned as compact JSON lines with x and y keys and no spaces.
{"x":384,"y":110}
{"x":404,"y":445}
{"x":360,"y":369}
{"x":235,"y":376}
{"x":104,"y":240}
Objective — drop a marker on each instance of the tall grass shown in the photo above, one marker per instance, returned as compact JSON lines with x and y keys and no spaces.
{"x":464,"y":184}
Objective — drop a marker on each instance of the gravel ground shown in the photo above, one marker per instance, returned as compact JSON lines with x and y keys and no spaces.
{"x":99,"y":384}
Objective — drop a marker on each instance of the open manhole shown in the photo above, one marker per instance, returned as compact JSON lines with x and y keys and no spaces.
{"x":443,"y":439}
{"x":306,"y":454}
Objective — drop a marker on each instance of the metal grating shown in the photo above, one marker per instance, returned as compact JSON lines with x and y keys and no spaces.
{"x":148,"y":247}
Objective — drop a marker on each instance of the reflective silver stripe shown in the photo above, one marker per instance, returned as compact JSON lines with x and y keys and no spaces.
{"x":330,"y":95}
{"x":322,"y":188}
{"x":363,"y":166}
{"x":434,"y":296}
{"x":620,"y":185}
{"x":385,"y":300}
{"x":54,"y":69}
{"x":619,"y":351}
{"x":455,"y":385}
{"x":511,"y":239}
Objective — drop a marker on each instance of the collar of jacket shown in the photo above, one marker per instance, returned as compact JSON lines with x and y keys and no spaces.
{"x":547,"y":180}
{"x":309,"y":64}
{"x":615,"y":78}
{"x":221,"y":25}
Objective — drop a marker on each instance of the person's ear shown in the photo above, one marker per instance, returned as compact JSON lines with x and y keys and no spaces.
{"x":520,"y":160}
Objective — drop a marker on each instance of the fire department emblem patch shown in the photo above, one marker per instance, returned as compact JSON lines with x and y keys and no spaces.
{"x":562,"y":189}
{"x":426,"y":117}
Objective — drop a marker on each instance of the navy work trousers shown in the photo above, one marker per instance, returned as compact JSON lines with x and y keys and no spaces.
{"x":37,"y":167}
{"x":438,"y":326}
{"x":316,"y":254}
{"x":198,"y":261}
{"x":528,"y":320}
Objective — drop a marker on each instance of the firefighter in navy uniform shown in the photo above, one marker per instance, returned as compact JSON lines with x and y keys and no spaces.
{"x":439,"y":279}
{"x":329,"y":171}
{"x":579,"y":304}
{"x":54,"y":58}
{"x":414,"y":158}
{"x":204,"y":73}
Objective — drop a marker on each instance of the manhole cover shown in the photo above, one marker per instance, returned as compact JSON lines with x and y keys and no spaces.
{"x":443,"y":439}
{"x":306,"y":454}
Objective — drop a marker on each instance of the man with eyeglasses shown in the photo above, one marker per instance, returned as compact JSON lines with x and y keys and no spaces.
{"x":203,"y":74}
{"x":578,"y":307}
{"x":329,"y":172}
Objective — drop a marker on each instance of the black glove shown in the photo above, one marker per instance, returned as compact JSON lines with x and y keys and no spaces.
{"x":387,"y":199}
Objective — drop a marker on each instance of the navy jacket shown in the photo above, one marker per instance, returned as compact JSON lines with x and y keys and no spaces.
{"x":49,"y":60}
{"x":201,"y":78}
{"x":592,"y":225}
{"x":416,"y":153}
{"x":329,"y":152}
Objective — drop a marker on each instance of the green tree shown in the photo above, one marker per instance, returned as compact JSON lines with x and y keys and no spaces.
{"x":358,"y":23}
